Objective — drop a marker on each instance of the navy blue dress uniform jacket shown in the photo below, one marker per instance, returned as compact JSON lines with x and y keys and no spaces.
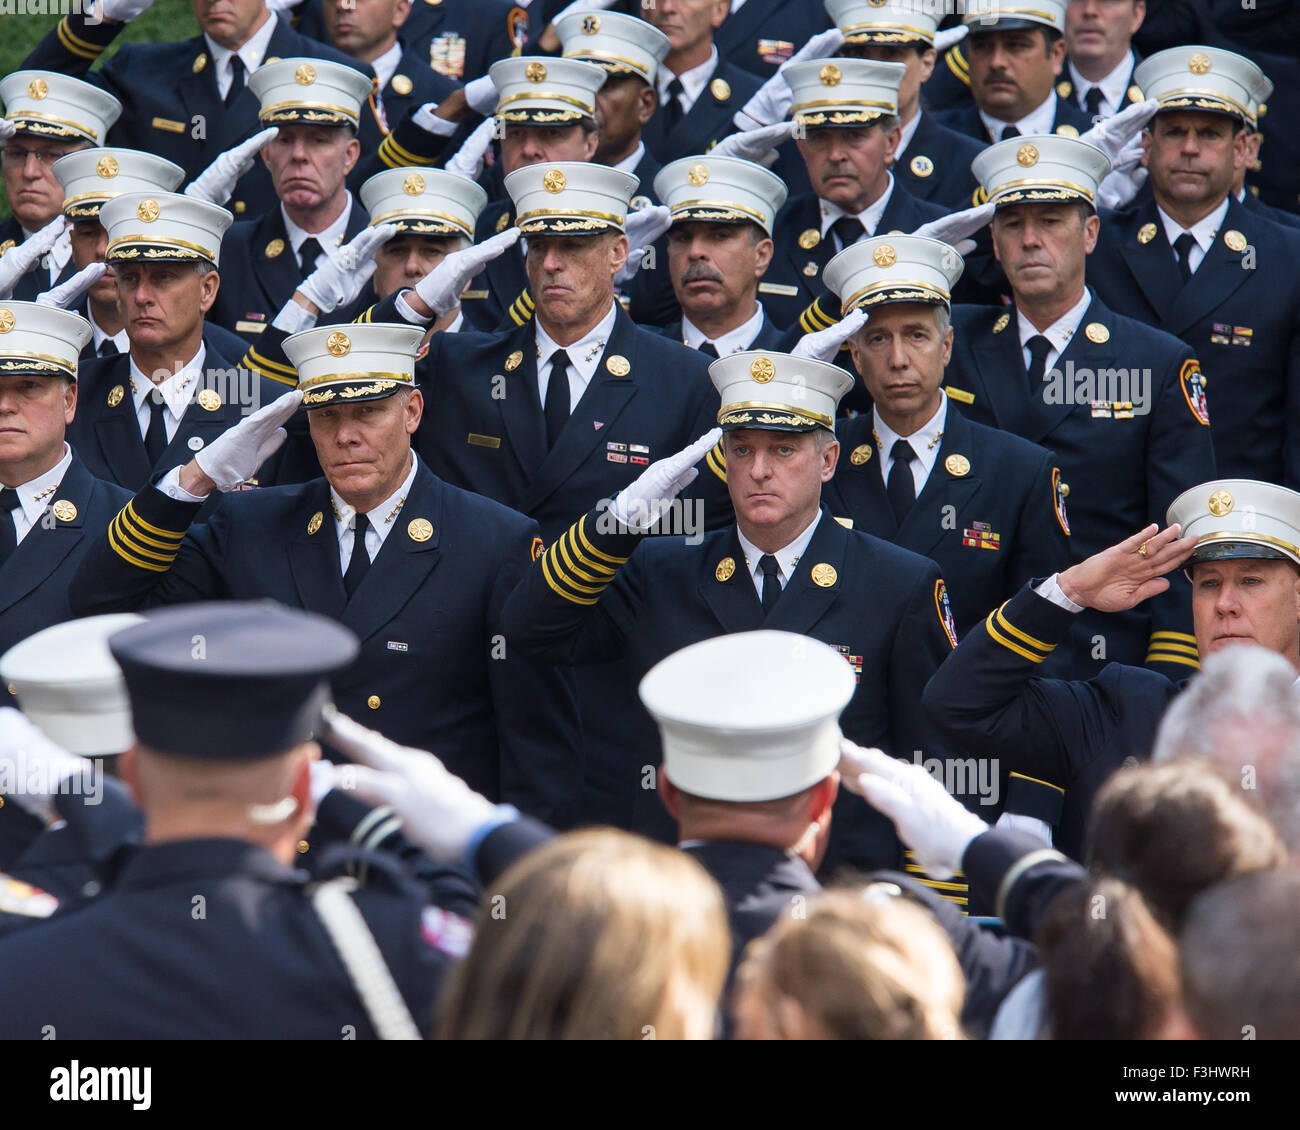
{"x":989,"y":522}
{"x":794,"y":277}
{"x":1068,"y":121}
{"x":935,"y":166}
{"x":1239,"y":312}
{"x":987,"y":698}
{"x":763,"y":34}
{"x":988,"y":861}
{"x":769,"y":336}
{"x":948,"y":87}
{"x":171,"y":104}
{"x":260,"y":272}
{"x":36,"y":581}
{"x":1121,"y":471}
{"x":432,"y":673}
{"x":708,"y":121}
{"x":591,"y":599}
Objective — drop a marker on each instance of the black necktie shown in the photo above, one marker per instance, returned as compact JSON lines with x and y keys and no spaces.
{"x":8,"y":534}
{"x":1092,"y":102}
{"x":848,"y":230}
{"x":359,"y":562}
{"x":709,"y":349}
{"x":771,"y":583}
{"x":556,"y":408}
{"x":1010,"y":131}
{"x":236,"y":79}
{"x":901,"y":487}
{"x":155,"y":437}
{"x":1039,"y":347}
{"x":673,"y":112}
{"x":1183,"y":245}
{"x":309,"y":252}
{"x":107,"y":348}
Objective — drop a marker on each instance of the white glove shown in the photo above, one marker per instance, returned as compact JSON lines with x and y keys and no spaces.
{"x":428,"y":121}
{"x":439,"y":811}
{"x":337,"y":281}
{"x":643,"y":228}
{"x":324,"y":777}
{"x":468,"y":159}
{"x":441,"y":288}
{"x":68,"y":293}
{"x":18,"y":260}
{"x":953,"y":228}
{"x":754,"y":144}
{"x":1112,"y":135}
{"x":774,"y":98}
{"x":1125,"y":178}
{"x":641,"y":503}
{"x":123,"y":11}
{"x":34,"y":763}
{"x":481,"y":94}
{"x":7,"y":129}
{"x":928,"y":819}
{"x":234,"y":456}
{"x":1028,"y":825}
{"x":825,"y":344}
{"x":950,"y":38}
{"x":215,"y":184}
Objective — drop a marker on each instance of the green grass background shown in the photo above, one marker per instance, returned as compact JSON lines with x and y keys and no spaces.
{"x":166,"y":21}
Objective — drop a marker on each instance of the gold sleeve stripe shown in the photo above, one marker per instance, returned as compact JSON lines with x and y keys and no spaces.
{"x":144,"y":545}
{"x":589,"y":551}
{"x":1023,"y":637}
{"x":717,"y":462}
{"x":602,"y":571}
{"x":394,"y":156}
{"x":958,"y":65}
{"x":567,"y":567}
{"x":527,"y":300}
{"x":998,"y":637}
{"x":1177,"y":649}
{"x":130,"y":558}
{"x":1170,"y":657}
{"x":550,"y":580}
{"x":176,"y":536}
{"x":366,"y":315}
{"x":76,"y":44}
{"x":267,"y":363}
{"x":516,"y":318}
{"x":1036,"y":781}
{"x":1182,"y":637}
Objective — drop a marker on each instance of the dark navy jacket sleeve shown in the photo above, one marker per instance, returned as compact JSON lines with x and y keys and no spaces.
{"x":1018,"y":876}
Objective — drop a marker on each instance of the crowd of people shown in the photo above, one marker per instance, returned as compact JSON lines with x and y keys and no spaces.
{"x":747,"y":519}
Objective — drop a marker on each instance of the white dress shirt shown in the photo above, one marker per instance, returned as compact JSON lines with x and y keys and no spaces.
{"x":787,"y":559}
{"x":1114,"y":87}
{"x":177,"y":392}
{"x":1039,"y":120}
{"x":632,"y":160}
{"x":924,"y":441}
{"x":733,"y":341}
{"x":119,"y":339}
{"x":386,"y":65}
{"x":1058,"y":333}
{"x":252,"y":53}
{"x":1203,"y":231}
{"x":584,"y":356}
{"x":693,"y":82}
{"x":908,"y":130}
{"x":58,"y":255}
{"x":381,"y":518}
{"x":869,"y":217}
{"x":330,"y":239}
{"x":34,"y":496}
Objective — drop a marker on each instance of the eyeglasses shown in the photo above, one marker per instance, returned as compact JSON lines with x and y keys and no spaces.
{"x":16,"y":155}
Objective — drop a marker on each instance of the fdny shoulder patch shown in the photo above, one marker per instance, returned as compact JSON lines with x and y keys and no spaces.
{"x":944,"y":609}
{"x":446,"y":931}
{"x":538,"y":548}
{"x":1058,"y":500}
{"x":1193,"y":382}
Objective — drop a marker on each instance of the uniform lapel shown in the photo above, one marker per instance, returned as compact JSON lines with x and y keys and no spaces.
{"x":1153,"y":263}
{"x":199,"y":94}
{"x":739,"y":26}
{"x":403,"y":561}
{"x":1001,"y":367}
{"x":1219,"y":275}
{"x":803,"y":601}
{"x":606,"y":396}
{"x":920,"y":531}
{"x":728,"y":589}
{"x":314,"y":556}
{"x":277,"y":274}
{"x":118,"y":428}
{"x":861,"y":486}
{"x":808,"y":218}
{"x":200,"y":423}
{"x":521,"y":407}
{"x":1081,"y":353}
{"x":49,"y":541}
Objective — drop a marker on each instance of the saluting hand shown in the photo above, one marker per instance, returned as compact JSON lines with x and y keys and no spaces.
{"x":1123,"y":576}
{"x":234,"y":456}
{"x":18,"y":260}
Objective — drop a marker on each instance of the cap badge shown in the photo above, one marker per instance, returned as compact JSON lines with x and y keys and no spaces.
{"x":921,"y":165}
{"x":314,"y":524}
{"x":1027,"y":155}
{"x":762,"y":370}
{"x":115,"y":395}
{"x":420,"y":529}
{"x":535,"y":72}
{"x":830,"y":75}
{"x":698,"y":175}
{"x":274,"y":248}
{"x":1097,"y":333}
{"x":590,"y":25}
{"x":726,"y":568}
{"x":514,"y":360}
{"x":1221,"y":502}
{"x":147,"y":210}
{"x":1235,"y":240}
{"x":1146,"y":233}
{"x":957,"y":465}
{"x":553,"y":181}
{"x":884,"y":256}
{"x":618,"y":365}
{"x":338,"y":343}
{"x":209,"y":400}
{"x":1199,"y":63}
{"x":6,"y":321}
{"x":64,"y":511}
{"x":37,"y":88}
{"x":824,"y":575}
{"x":106,"y":166}
{"x":413,"y":184}
{"x":861,"y":454}
{"x":305,"y":75}
{"x":402,"y":84}
{"x":810,"y":239}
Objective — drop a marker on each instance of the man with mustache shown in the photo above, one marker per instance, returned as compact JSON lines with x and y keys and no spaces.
{"x":1016,"y":55}
{"x":1190,"y":259}
{"x":1122,"y":405}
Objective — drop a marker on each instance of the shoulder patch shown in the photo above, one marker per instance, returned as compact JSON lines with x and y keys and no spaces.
{"x":944,"y":609}
{"x":445,"y":931}
{"x":538,"y":548}
{"x":1193,"y":382}
{"x":1059,"y":491}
